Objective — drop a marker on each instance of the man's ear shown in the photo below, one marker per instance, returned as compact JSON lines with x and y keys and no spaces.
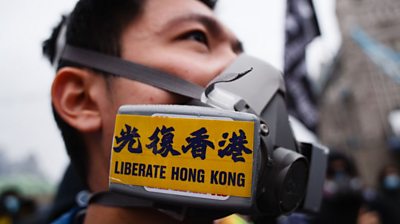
{"x":74,"y":98}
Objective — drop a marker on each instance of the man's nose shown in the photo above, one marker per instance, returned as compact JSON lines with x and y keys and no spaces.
{"x":229,"y":56}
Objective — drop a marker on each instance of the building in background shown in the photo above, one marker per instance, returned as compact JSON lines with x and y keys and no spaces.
{"x":361,"y":94}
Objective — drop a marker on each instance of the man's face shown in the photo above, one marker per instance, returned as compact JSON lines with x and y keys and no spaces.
{"x":181,"y":37}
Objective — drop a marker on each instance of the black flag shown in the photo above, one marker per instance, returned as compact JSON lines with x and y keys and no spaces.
{"x":301,"y":27}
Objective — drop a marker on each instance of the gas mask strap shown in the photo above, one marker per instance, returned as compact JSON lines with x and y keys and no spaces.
{"x":133,"y":71}
{"x":177,"y":212}
{"x":60,"y":42}
{"x":112,"y":199}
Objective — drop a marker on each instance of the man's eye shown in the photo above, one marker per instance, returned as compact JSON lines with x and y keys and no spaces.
{"x":197,"y":35}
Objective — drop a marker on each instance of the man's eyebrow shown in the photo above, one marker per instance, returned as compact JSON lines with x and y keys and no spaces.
{"x":210,"y":23}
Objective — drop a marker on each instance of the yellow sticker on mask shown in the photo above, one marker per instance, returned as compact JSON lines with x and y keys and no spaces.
{"x":204,"y":156}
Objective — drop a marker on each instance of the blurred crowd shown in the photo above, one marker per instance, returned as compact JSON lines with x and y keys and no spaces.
{"x":347,"y":200}
{"x":16,"y":208}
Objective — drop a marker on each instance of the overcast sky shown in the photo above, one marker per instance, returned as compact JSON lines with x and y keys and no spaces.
{"x":26,"y":122}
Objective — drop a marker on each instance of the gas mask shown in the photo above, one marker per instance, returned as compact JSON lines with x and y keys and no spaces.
{"x":229,"y":150}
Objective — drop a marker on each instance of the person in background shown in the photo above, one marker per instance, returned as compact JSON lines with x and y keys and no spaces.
{"x":342,"y":192}
{"x":387,"y":199}
{"x":342,"y":196}
{"x":16,"y":208}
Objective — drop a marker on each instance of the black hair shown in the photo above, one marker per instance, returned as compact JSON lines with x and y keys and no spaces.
{"x":96,"y":25}
{"x":350,"y":167}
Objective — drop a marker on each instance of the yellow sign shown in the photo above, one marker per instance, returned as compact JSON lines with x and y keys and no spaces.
{"x":183,"y":154}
